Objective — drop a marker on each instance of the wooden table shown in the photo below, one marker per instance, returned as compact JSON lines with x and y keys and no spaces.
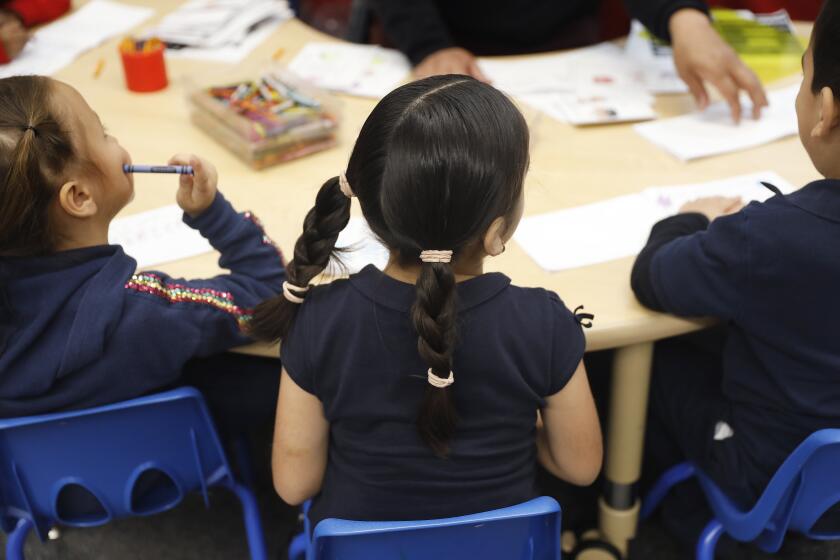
{"x":569,"y":167}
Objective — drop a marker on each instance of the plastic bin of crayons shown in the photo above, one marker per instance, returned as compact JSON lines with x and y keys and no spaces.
{"x":143,"y":63}
{"x":266,"y":121}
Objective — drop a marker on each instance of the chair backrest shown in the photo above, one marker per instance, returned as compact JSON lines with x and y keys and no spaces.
{"x":803,"y":488}
{"x":87,"y":467}
{"x":529,"y":531}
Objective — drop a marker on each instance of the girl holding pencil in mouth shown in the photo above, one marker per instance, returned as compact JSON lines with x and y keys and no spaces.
{"x":79,"y":325}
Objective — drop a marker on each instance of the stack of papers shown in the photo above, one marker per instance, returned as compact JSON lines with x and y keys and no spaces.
{"x":594,"y":85}
{"x":363,"y":70}
{"x":619,"y":227}
{"x":713,"y":132}
{"x":220,"y":30}
{"x":55,"y":46}
{"x":157,"y":236}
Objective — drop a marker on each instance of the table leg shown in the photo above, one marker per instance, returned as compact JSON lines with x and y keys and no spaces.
{"x":619,"y":504}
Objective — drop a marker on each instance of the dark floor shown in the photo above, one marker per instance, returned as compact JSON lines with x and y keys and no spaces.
{"x":191,"y":531}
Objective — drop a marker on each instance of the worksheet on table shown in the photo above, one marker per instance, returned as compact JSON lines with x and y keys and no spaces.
{"x":619,"y":227}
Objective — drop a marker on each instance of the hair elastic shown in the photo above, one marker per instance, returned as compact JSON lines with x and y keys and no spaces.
{"x":345,"y":186}
{"x":440,"y":382}
{"x":436,"y":256}
{"x":30,"y":127}
{"x":289,"y":295}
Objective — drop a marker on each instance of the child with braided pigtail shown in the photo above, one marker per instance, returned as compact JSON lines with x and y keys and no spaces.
{"x":370,"y":417}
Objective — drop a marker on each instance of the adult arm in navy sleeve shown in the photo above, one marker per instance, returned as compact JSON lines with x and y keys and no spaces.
{"x":694,"y":274}
{"x":656,"y":14}
{"x":416,"y":27}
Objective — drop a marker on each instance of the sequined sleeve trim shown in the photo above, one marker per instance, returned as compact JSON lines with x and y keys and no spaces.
{"x":154,"y":284}
{"x":265,"y":238}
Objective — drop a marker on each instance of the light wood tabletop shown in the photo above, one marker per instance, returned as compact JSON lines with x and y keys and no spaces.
{"x":569,"y":166}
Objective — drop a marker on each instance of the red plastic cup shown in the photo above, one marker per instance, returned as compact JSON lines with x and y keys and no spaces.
{"x":145,"y":71}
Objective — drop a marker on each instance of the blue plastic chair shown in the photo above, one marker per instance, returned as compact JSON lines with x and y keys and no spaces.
{"x":529,"y":531}
{"x":804,"y":487}
{"x":87,"y":467}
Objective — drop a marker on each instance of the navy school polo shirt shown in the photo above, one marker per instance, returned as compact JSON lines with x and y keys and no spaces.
{"x":772,"y":271}
{"x":353,"y":347}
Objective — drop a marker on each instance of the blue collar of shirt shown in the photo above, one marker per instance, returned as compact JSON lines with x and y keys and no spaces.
{"x":821,"y":198}
{"x":382,"y":289}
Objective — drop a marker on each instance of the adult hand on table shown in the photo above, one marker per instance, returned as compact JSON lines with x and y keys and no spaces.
{"x":13,"y":34}
{"x":701,"y":56}
{"x":453,"y":60}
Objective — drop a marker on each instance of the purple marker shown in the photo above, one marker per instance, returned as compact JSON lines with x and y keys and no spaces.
{"x":179,"y":169}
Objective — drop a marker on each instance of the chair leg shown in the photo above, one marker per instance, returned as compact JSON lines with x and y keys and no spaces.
{"x":708,"y":540}
{"x":253,"y":523}
{"x":298,"y":546}
{"x":668,"y":480}
{"x":14,"y":546}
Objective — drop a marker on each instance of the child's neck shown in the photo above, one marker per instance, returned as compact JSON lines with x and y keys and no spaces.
{"x":81,"y":235}
{"x":465,"y":268}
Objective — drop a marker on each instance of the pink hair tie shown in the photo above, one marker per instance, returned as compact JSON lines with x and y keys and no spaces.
{"x":436,"y":256}
{"x":345,"y":186}
{"x":440,"y":382}
{"x":289,"y":295}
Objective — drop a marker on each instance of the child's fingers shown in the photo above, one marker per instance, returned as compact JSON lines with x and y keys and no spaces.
{"x":180,"y":159}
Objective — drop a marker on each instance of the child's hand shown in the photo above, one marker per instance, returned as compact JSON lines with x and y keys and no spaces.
{"x":13,"y":34}
{"x":195,"y":192}
{"x":713,"y":206}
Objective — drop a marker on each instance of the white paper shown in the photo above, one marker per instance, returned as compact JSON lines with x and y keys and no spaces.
{"x":594,"y":108}
{"x":619,"y":227}
{"x":221,"y":30}
{"x":60,"y":43}
{"x":157,"y":236}
{"x":548,"y":73}
{"x":361,"y":249}
{"x":597,"y":68}
{"x":232,"y":53}
{"x":654,"y":61}
{"x":363,"y":70}
{"x":594,"y":85}
{"x":713,"y":132}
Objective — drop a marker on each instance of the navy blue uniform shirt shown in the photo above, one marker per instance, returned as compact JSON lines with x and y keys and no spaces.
{"x":82,"y":328}
{"x":772,"y":272}
{"x":353,"y":346}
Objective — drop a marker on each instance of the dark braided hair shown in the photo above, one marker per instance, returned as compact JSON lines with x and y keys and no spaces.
{"x":436,"y":162}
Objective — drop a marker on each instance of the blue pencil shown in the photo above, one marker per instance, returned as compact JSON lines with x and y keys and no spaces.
{"x":179,"y":169}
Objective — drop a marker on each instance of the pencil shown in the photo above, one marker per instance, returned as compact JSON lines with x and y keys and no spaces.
{"x":99,"y":67}
{"x":179,"y":169}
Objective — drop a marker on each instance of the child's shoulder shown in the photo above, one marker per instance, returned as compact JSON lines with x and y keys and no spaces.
{"x":539,"y":303}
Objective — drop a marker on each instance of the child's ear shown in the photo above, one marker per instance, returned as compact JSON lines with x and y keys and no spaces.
{"x":829,"y":114}
{"x":493,"y":242}
{"x":77,"y":200}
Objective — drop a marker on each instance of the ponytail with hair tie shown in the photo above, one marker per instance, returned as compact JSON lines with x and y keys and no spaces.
{"x":273,"y":318}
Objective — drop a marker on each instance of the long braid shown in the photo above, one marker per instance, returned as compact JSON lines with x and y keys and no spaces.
{"x":433,"y":315}
{"x":316,"y":245}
